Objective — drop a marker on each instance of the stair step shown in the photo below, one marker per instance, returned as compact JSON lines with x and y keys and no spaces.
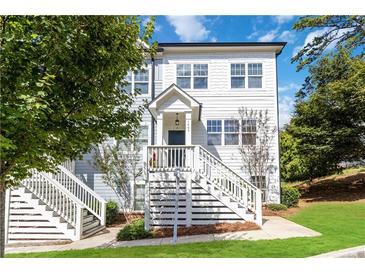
{"x":88,"y":218}
{"x":92,"y":231}
{"x":90,"y":225}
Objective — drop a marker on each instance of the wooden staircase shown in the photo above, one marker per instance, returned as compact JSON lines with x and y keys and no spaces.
{"x":53,"y":207}
{"x":209,"y":191}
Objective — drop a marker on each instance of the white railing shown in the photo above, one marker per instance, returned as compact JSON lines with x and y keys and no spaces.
{"x":91,"y":200}
{"x":167,"y":158}
{"x":57,"y":197}
{"x":232,"y":184}
{"x":69,"y":165}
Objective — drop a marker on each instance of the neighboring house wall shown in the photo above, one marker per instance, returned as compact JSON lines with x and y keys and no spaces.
{"x":219,"y":101}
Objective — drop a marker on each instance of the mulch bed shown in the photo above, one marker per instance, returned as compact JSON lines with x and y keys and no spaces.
{"x":121,"y":219}
{"x":205,"y":229}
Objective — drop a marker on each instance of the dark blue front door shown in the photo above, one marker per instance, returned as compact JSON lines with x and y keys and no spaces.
{"x":176,"y":137}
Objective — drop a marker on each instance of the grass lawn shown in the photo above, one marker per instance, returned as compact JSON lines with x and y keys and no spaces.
{"x":342,"y":226}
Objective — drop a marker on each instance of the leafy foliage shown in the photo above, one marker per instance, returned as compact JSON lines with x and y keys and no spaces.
{"x":134,"y":231}
{"x":59,"y":91}
{"x":289,"y":196}
{"x":341,"y":30}
{"x":112,"y":212}
{"x":328,"y":127}
{"x":277,"y":207}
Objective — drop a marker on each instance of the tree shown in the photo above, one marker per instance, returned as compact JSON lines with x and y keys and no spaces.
{"x":341,"y":30}
{"x":255,"y":148}
{"x":329,"y":118}
{"x":59,"y":91}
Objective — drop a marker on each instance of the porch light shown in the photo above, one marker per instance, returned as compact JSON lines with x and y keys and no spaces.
{"x":177,"y":121}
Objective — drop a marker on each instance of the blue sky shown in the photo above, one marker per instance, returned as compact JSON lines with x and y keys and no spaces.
{"x":244,"y":28}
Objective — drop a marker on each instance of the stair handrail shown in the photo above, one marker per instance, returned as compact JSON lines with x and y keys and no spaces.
{"x":55,"y":196}
{"x":253,"y":203}
{"x":88,"y":197}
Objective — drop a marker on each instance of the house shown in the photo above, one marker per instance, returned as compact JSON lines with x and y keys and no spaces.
{"x":191,"y":135}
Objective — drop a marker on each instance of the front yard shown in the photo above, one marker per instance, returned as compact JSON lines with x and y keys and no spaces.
{"x":342,"y":225}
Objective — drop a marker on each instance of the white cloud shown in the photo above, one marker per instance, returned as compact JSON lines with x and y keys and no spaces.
{"x":214,"y":39}
{"x":282,"y":19}
{"x":268,"y":37}
{"x":287,"y":36}
{"x":286,"y":107}
{"x":289,"y":87}
{"x":189,"y":28}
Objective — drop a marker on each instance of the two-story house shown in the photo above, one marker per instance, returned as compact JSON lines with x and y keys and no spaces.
{"x":194,"y":92}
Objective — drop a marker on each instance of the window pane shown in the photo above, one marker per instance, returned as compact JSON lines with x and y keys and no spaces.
{"x":254,"y":69}
{"x":183,"y":82}
{"x":214,"y":139}
{"x":128,"y":77}
{"x":200,"y":69}
{"x":183,"y":70}
{"x":237,"y":82}
{"x":237,"y":69}
{"x":249,"y":139}
{"x":144,"y":132}
{"x":214,"y":126}
{"x":231,"y":139}
{"x":255,"y":82}
{"x":249,"y":125}
{"x":158,"y":69}
{"x":128,"y":88}
{"x":200,"y":82}
{"x":141,"y":76}
{"x":141,"y":88}
{"x":231,"y":126}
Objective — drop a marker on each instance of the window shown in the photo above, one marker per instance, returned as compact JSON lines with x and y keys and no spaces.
{"x":260,"y":182}
{"x":254,"y":75}
{"x":231,"y":132}
{"x":143,"y":136}
{"x":183,"y":72}
{"x":248,"y":132}
{"x":200,"y":76}
{"x":237,"y":75}
{"x":214,"y":129}
{"x":141,"y":81}
{"x":128,"y":78}
{"x":197,"y":80}
{"x":158,"y":69}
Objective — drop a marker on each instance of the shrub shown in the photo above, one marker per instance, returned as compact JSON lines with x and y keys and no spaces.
{"x":133,"y":231}
{"x":289,"y":196}
{"x":112,"y":212}
{"x":277,"y":207}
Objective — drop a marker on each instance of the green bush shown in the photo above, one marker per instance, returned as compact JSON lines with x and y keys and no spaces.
{"x":289,"y":196}
{"x":112,"y":212}
{"x":277,"y":207}
{"x":133,"y":231}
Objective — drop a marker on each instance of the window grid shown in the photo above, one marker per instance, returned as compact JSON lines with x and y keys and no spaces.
{"x":192,"y":76}
{"x":138,"y":80}
{"x":249,"y":130}
{"x":214,"y":129}
{"x":255,"y":75}
{"x":183,"y":72}
{"x":237,"y":75}
{"x":231,"y":132}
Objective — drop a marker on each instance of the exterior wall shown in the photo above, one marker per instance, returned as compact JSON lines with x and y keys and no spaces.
{"x":219,"y":101}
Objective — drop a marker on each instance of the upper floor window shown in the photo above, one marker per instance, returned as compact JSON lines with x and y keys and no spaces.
{"x":196,"y":80}
{"x":254,"y":75}
{"x":143,"y":135}
{"x":183,"y":72}
{"x":138,"y":80}
{"x":237,"y":75}
{"x":214,"y":129}
{"x":158,"y":69}
{"x":248,"y":132}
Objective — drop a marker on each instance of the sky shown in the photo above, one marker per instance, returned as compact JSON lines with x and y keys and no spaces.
{"x":245,"y":29}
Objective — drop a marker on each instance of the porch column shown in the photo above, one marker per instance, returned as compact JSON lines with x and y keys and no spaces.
{"x":159,"y":140}
{"x":188,"y":128}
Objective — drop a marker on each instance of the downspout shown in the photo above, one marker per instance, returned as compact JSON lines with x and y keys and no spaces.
{"x":277,"y":124}
{"x":153,"y":97}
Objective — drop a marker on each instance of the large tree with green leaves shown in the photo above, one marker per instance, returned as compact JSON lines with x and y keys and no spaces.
{"x":60,"y":88}
{"x":328,"y":126}
{"x":339,"y":30}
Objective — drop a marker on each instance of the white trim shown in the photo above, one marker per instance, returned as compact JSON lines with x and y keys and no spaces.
{"x":192,"y":63}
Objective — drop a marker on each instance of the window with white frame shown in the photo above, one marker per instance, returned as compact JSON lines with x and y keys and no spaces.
{"x":137,"y":81}
{"x":183,"y":73}
{"x":192,"y":76}
{"x":248,"y":129}
{"x":231,"y":132}
{"x":255,"y":75}
{"x":158,"y":69}
{"x":214,"y":129}
{"x":200,"y":76}
{"x":237,"y":75}
{"x":141,"y":81}
{"x":143,"y":135}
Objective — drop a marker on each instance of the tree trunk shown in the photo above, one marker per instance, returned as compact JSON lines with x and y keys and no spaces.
{"x":2,"y":220}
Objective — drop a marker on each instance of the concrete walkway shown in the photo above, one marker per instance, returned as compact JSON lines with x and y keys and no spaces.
{"x":274,"y":227}
{"x":354,"y":252}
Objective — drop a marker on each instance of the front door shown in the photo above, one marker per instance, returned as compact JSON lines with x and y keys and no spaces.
{"x":176,"y":137}
{"x":175,"y":155}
